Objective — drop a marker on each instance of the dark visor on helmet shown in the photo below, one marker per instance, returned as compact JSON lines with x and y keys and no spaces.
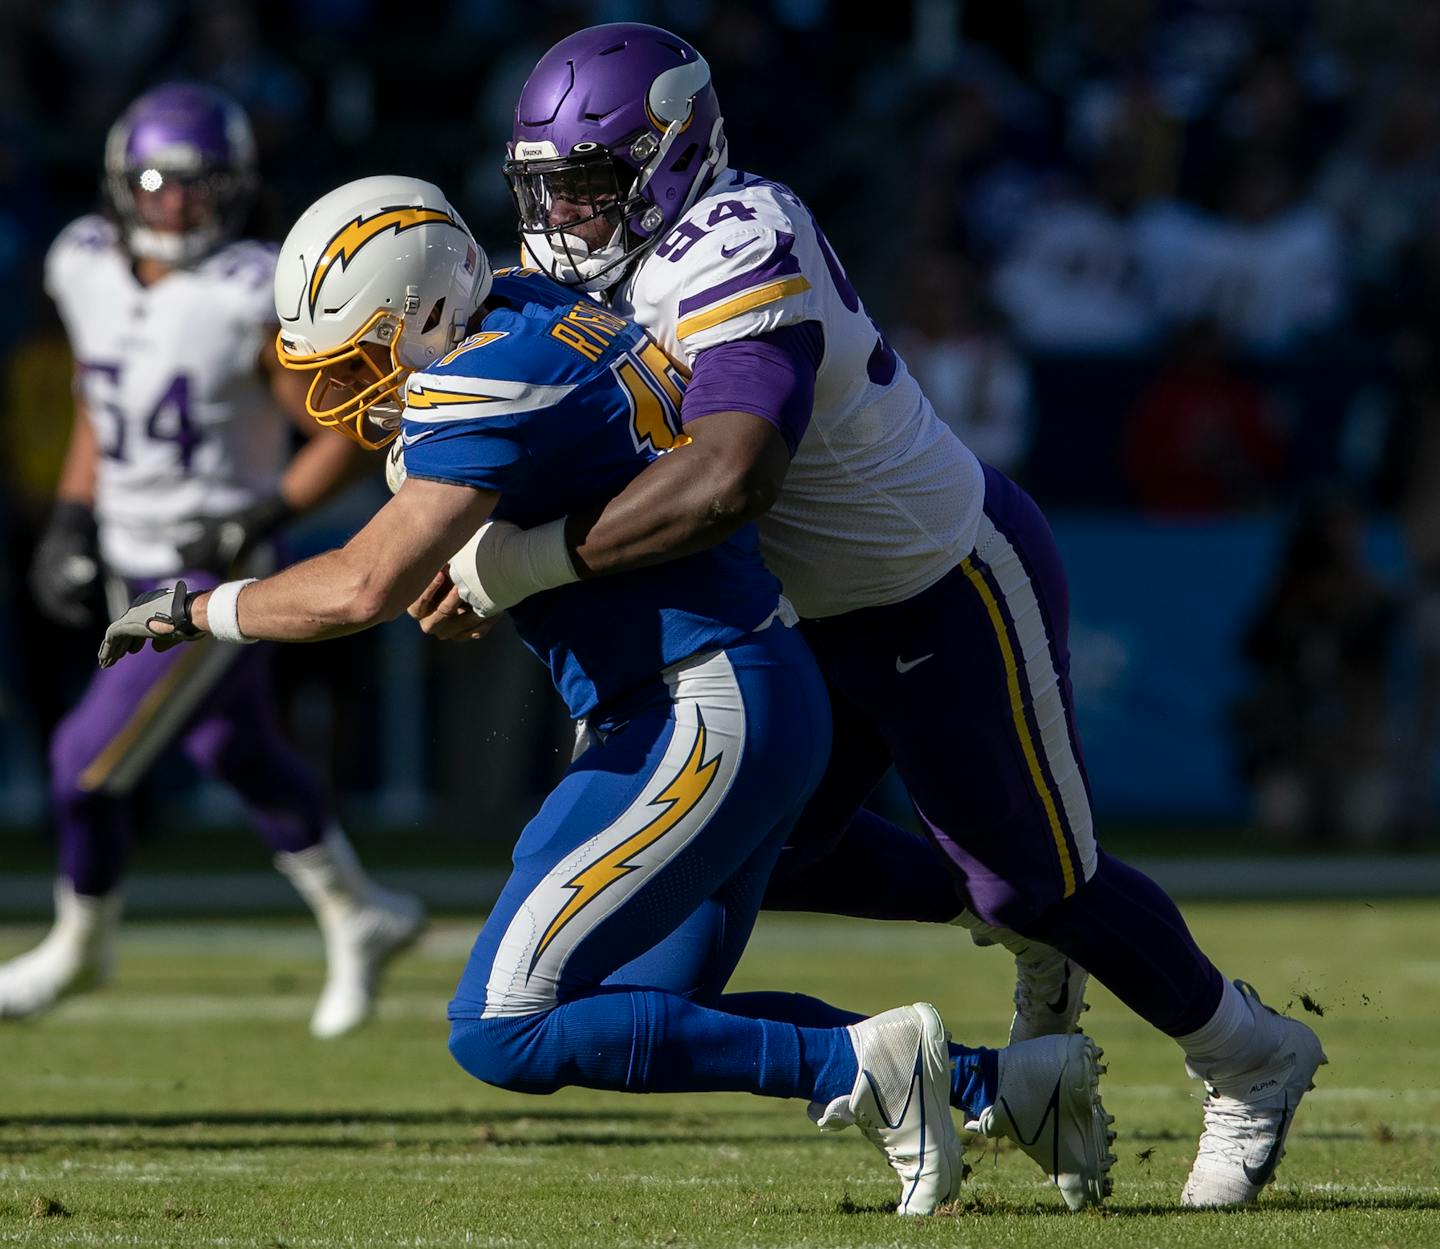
{"x":565,"y":192}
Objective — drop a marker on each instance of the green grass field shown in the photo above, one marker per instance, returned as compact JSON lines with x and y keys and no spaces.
{"x":189,"y":1106}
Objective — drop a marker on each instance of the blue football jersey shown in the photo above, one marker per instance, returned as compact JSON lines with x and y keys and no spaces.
{"x":556,"y":404}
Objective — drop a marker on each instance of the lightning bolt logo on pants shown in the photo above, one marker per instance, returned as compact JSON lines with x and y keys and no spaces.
{"x":676,"y":800}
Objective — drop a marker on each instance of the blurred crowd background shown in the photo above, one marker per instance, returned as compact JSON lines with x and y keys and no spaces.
{"x":1174,"y":264}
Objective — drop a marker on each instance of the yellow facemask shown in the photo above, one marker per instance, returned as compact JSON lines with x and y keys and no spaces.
{"x":350,"y":416}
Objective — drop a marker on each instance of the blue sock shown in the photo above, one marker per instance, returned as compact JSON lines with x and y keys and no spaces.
{"x":977,"y":1074}
{"x":651,"y":1042}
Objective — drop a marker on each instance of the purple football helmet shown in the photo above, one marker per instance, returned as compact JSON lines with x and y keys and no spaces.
{"x":617,"y":132}
{"x":180,"y":171}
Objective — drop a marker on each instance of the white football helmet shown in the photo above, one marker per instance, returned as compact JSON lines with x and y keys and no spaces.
{"x":385,"y":261}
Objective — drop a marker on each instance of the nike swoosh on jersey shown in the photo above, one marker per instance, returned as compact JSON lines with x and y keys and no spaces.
{"x":727,"y":252}
{"x":409,"y":439}
{"x":904,"y":665}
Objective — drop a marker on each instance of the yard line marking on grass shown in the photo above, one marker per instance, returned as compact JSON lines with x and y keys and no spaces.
{"x":1122,"y":1093}
{"x":1382,"y":1190}
{"x":447,"y":941}
{"x":465,"y":1240}
{"x":1355,"y":1093}
{"x":167,"y":1009}
{"x":55,"y":1080}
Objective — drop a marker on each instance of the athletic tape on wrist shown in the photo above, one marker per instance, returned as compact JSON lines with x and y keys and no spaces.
{"x":502,"y":565}
{"x":547,"y":560}
{"x":222,"y":611}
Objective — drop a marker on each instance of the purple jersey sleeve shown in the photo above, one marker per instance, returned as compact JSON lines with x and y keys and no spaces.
{"x":771,"y":375}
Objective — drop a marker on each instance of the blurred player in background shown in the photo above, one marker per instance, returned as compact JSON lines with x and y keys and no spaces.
{"x":930,"y":586}
{"x":177,"y":463}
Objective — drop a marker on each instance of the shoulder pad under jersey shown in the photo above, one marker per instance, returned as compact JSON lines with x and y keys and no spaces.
{"x":77,"y":246}
{"x":733,"y":267}
{"x":504,"y":370}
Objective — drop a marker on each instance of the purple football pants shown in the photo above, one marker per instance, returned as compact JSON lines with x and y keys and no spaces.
{"x":217,"y":701}
{"x":965,"y":688}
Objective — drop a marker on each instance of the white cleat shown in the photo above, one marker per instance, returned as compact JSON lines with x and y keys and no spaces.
{"x":1049,"y":988}
{"x":1248,"y":1116}
{"x":358,"y":945}
{"x":1048,"y":1103}
{"x":76,"y":955}
{"x":39,"y":978}
{"x":901,"y":1102}
{"x":1049,"y":995}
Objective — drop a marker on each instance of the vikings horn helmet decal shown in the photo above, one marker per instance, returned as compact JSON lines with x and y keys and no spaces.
{"x":362,"y":317}
{"x":617,"y":132}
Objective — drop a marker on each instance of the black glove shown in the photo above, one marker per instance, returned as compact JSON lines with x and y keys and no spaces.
{"x":226,"y":540}
{"x":129,"y":632}
{"x":65,"y":569}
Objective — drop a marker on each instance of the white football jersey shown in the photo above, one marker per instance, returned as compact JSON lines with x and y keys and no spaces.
{"x":169,"y":375}
{"x":881,"y":499}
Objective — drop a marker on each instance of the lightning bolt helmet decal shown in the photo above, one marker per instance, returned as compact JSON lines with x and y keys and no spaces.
{"x":354,"y":234}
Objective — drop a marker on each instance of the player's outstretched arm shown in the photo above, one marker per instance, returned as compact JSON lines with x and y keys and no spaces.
{"x":745,"y":411}
{"x":699,"y":494}
{"x":370,"y":579}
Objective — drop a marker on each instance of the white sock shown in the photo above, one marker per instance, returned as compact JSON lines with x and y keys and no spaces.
{"x":84,"y":922}
{"x":1226,"y":1045}
{"x":328,"y":876}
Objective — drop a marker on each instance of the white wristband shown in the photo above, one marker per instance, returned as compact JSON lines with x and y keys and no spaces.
{"x":222,"y":611}
{"x":503,"y":565}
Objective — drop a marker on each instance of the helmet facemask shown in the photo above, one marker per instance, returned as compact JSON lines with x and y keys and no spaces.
{"x":368,"y":410}
{"x":213,"y":206}
{"x":369,"y":406}
{"x":576,"y":213}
